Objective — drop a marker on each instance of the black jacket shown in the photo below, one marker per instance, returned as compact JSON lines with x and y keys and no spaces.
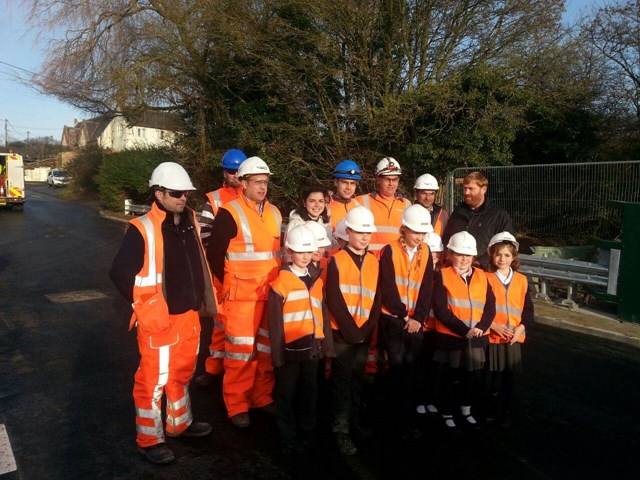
{"x":483,"y":223}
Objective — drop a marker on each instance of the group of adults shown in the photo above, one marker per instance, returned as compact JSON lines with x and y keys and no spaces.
{"x":174,"y":269}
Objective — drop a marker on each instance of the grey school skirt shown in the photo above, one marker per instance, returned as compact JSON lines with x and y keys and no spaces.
{"x":503,"y":356}
{"x":469,"y":359}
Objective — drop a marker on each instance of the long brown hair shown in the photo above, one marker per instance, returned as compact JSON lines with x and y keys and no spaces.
{"x":304,"y":194}
{"x":495,"y":248}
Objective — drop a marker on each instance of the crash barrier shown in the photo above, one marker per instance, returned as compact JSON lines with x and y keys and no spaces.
{"x":132,"y":209}
{"x":612,"y":278}
{"x":566,"y":202}
{"x":572,"y":272}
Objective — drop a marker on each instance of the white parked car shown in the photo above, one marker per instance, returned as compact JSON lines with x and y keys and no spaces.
{"x":57,"y":178}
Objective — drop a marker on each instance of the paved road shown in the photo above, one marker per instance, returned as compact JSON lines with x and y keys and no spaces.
{"x":67,"y":365}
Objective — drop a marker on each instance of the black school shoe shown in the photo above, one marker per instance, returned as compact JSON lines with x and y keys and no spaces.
{"x":159,"y":454}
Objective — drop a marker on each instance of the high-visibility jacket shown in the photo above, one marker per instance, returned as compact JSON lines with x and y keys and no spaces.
{"x":338,"y":210}
{"x":357,"y":285}
{"x":302,"y":307}
{"x":465,"y":301}
{"x":387,"y":216}
{"x":149,"y":282}
{"x":440,"y":221}
{"x":252,"y":260}
{"x":408,"y":275}
{"x":509,"y":303}
{"x":223,"y":195}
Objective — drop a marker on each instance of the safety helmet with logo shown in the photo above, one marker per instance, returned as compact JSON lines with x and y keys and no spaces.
{"x":301,"y":239}
{"x":232,"y":159}
{"x":253,"y":166}
{"x":322,"y":239}
{"x":347,"y":169}
{"x":426,"y":182}
{"x":434,"y":241}
{"x":340,"y":233}
{"x":388,"y":166}
{"x":360,"y":219}
{"x":171,"y":175}
{"x":463,"y":243}
{"x":503,"y":237}
{"x":417,"y":218}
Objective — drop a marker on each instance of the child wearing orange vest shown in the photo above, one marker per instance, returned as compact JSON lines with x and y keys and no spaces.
{"x":354,"y":307}
{"x":464,"y":306}
{"x":406,"y":284}
{"x":300,"y":335}
{"x":514,"y":311}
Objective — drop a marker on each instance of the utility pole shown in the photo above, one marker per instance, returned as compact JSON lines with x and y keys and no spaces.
{"x":28,"y":137}
{"x":6,"y":132}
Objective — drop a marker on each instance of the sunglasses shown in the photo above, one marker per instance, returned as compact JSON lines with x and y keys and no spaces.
{"x":231,"y":172}
{"x":177,"y":193}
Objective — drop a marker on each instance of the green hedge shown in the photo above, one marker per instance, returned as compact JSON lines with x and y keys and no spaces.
{"x":126,"y":175}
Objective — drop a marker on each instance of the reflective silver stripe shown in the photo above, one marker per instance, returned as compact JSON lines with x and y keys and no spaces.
{"x":456,"y":302}
{"x":387,"y":229}
{"x":263,"y":331}
{"x":206,"y":214}
{"x":374,"y":247}
{"x":365,"y":201}
{"x":316,"y":303}
{"x":181,"y":420}
{"x":263,"y":348}
{"x":356,"y":290}
{"x":298,"y":295}
{"x":239,"y":340}
{"x":244,"y":224}
{"x":152,"y":277}
{"x":431,"y":314}
{"x":216,"y":199}
{"x":508,"y":310}
{"x":277,"y":214}
{"x":218,"y":325}
{"x":402,"y":281}
{"x":249,"y":256}
{"x":155,"y":431}
{"x":179,"y":404}
{"x":205,"y":234}
{"x":363,"y":312}
{"x":216,"y":353}
{"x":297,"y":316}
{"x":147,"y":413}
{"x":239,"y":356}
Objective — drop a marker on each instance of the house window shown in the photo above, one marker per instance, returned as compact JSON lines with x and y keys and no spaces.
{"x":162,"y":134}
{"x":139,"y":132}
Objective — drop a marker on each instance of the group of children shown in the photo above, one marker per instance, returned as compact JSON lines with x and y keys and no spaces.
{"x":444,"y":324}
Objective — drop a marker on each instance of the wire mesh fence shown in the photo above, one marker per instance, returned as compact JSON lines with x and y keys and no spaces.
{"x":558,"y":204}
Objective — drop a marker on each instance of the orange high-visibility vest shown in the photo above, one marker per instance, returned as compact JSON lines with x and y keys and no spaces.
{"x":150,"y":278}
{"x":387,"y":216}
{"x":223,"y":195}
{"x":408,"y":275}
{"x":358,"y":286}
{"x":338,"y":210}
{"x":441,"y":222}
{"x":466,"y":302}
{"x":509,"y":303}
{"x":253,"y":256}
{"x":302,"y":307}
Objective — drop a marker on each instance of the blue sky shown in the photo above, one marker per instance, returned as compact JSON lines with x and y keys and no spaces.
{"x":42,"y":116}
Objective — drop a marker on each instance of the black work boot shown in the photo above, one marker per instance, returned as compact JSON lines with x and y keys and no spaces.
{"x":159,"y":454}
{"x":196,"y":429}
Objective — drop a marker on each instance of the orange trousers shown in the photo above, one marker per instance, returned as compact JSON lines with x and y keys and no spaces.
{"x":167,"y":363}
{"x":214,"y":364}
{"x":248,"y":373}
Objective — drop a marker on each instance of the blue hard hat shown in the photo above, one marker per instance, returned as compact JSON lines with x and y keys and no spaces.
{"x":232,"y":159}
{"x":347,"y":169}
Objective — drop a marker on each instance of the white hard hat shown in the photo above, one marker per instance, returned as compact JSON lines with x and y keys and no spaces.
{"x":426,"y":182}
{"x":388,"y":166}
{"x":463,"y":243}
{"x":503,"y":237}
{"x":301,"y":239}
{"x":434,"y":241}
{"x":171,"y":175}
{"x":341,"y":231}
{"x":320,"y":232}
{"x":360,"y":219}
{"x":417,"y":218}
{"x":253,"y":166}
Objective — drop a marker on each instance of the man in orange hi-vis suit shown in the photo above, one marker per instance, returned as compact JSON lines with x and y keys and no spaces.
{"x":245,"y":256}
{"x":161,"y":269}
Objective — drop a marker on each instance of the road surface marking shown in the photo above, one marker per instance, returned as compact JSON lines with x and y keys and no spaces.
{"x":77,"y":296}
{"x":7,"y":461}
